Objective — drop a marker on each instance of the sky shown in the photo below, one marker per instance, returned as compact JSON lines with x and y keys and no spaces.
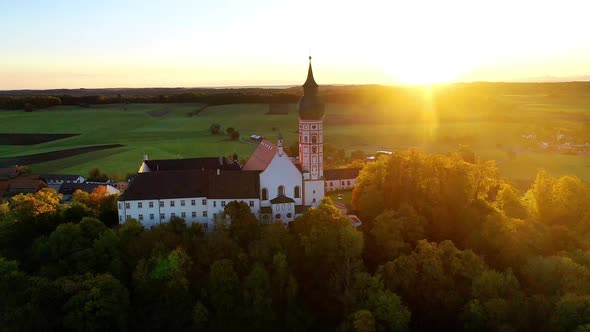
{"x":176,"y":43}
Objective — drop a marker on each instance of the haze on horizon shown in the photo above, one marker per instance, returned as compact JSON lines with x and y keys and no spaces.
{"x":102,"y":44}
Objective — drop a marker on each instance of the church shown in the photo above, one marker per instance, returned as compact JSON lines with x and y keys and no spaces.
{"x":276,"y":187}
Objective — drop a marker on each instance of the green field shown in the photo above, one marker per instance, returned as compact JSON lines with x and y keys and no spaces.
{"x":179,"y":135}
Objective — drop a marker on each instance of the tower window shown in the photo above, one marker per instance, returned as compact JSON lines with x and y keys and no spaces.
{"x":281,"y":191}
{"x":264,"y":194}
{"x":314,"y":149}
{"x":297,"y":192}
{"x":314,"y":138}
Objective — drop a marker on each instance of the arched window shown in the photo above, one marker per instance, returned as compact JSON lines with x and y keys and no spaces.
{"x":264,"y":194}
{"x":314,"y":138}
{"x":281,"y":191}
{"x":305,"y":139}
{"x":297,"y":192}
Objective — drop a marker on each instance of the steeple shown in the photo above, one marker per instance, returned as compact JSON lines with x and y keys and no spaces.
{"x":310,"y":106}
{"x":310,"y":82}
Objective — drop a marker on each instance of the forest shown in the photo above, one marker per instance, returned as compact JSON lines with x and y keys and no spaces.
{"x":446,"y":244}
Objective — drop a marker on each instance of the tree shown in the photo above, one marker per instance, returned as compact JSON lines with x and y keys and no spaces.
{"x":243,"y":225}
{"x":386,"y":308}
{"x":497,"y":303}
{"x":435,"y":280}
{"x":215,"y":129}
{"x":45,"y":201}
{"x":223,"y":291}
{"x":362,"y":321}
{"x":234,"y":135}
{"x":509,"y":201}
{"x":96,"y":175}
{"x":394,"y":233}
{"x":257,"y":298}
{"x":96,"y":303}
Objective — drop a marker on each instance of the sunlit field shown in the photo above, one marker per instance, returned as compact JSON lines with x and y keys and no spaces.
{"x":180,"y":134}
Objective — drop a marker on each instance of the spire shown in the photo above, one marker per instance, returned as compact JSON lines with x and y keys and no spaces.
{"x":310,"y":82}
{"x":280,"y":144}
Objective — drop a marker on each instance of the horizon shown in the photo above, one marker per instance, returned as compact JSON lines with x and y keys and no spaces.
{"x":265,"y":43}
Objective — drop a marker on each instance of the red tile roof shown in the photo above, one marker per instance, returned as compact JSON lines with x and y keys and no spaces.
{"x":261,"y":157}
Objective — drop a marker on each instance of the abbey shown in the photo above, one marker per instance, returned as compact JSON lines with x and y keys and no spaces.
{"x":275,"y":186}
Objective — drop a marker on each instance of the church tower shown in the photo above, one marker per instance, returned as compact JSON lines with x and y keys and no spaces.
{"x":311,"y":141}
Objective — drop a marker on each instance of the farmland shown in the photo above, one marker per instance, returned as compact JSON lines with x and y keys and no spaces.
{"x":180,"y":130}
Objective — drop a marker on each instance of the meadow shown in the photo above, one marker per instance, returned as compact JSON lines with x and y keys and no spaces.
{"x":179,"y":133}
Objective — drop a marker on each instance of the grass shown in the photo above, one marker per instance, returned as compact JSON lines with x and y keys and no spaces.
{"x":178,"y":135}
{"x":346,"y":196}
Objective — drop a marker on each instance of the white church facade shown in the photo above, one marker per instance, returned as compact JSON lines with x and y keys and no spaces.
{"x":275,"y":187}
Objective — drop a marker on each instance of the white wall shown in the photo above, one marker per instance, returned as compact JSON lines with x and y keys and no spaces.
{"x":314,"y":192}
{"x":281,"y":171}
{"x":343,"y":184}
{"x":132,"y":210}
{"x":284,"y":211}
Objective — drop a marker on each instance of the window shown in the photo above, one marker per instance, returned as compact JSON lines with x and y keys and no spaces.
{"x":182,"y":202}
{"x":314,"y":149}
{"x":151,"y":204}
{"x":289,"y":215}
{"x":120,"y":218}
{"x":314,"y":191}
{"x":281,"y":190}
{"x":183,"y":215}
{"x":297,"y":192}
{"x":342,"y":182}
{"x":172,"y":203}
{"x":205,"y":225}
{"x":162,"y":216}
{"x":205,"y":214}
{"x":204,"y":201}
{"x":264,"y":194}
{"x":313,"y":200}
{"x":331,"y":184}
{"x":172,"y":215}
{"x":151,"y":216}
{"x":314,"y":138}
{"x":193,"y":202}
{"x":348,"y":182}
{"x":222,"y":203}
{"x":127,"y":205}
{"x":140,"y":217}
{"x":139,"y":205}
{"x":161,"y":204}
{"x":120,"y":206}
{"x":305,"y":139}
{"x":194,"y":214}
{"x":251,"y":203}
{"x":277,"y":216}
{"x":214,"y":204}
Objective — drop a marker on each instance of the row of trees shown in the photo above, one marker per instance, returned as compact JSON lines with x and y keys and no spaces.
{"x":445,"y":244}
